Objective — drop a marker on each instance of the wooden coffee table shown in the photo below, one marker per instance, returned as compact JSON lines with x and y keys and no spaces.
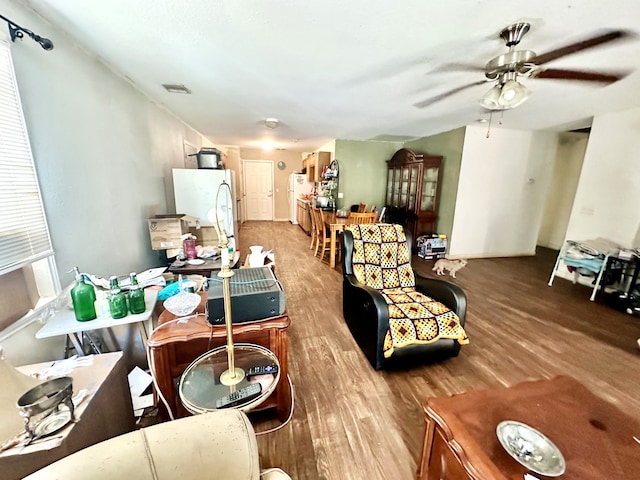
{"x":594,"y":436}
{"x":173,"y":346}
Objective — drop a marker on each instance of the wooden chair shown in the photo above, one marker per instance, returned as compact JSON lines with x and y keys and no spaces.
{"x":362,"y":208}
{"x":314,"y":231}
{"x":373,"y":208}
{"x":324,"y":235}
{"x":358,"y":218}
{"x":318,"y":227}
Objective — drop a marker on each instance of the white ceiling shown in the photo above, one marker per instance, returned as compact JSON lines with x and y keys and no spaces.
{"x":347,"y":69}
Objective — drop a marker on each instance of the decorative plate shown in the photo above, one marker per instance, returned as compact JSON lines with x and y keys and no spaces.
{"x":184,"y":303}
{"x":195,"y":261}
{"x":530,"y":448}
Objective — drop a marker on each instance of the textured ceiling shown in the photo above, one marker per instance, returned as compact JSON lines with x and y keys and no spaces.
{"x":347,"y":69}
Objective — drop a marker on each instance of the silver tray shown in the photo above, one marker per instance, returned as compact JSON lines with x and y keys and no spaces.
{"x":530,"y":448}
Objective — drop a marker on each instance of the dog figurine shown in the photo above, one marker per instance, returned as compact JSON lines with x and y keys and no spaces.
{"x":452,"y":265}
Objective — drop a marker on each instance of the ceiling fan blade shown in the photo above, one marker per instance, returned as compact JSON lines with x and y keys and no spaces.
{"x":561,"y":74}
{"x":456,"y":67}
{"x":608,"y":36}
{"x":437,"y":98}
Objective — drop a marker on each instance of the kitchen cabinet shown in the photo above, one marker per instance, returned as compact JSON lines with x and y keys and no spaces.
{"x":304,"y":216}
{"x":413,"y":190}
{"x":314,"y":164}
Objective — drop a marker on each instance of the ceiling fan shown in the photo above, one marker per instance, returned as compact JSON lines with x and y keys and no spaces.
{"x":505,"y":69}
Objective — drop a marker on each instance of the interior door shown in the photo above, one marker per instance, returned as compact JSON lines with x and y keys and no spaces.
{"x":258,"y":189}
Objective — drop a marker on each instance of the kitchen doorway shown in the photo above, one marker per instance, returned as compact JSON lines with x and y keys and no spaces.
{"x":258,"y":189}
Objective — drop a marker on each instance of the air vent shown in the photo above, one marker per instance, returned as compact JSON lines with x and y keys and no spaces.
{"x":171,"y":88}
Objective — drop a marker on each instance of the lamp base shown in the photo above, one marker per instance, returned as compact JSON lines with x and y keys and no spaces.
{"x":232,"y":378}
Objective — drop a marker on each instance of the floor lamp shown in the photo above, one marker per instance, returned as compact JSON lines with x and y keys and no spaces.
{"x":233,"y":375}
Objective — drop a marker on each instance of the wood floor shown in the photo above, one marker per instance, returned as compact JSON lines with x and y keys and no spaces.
{"x":351,"y":422}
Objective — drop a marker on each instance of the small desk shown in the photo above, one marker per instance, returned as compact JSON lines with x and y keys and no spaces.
{"x":336,"y":224}
{"x":209,"y":266}
{"x":64,"y":323}
{"x":105,"y":413}
{"x":594,"y":436}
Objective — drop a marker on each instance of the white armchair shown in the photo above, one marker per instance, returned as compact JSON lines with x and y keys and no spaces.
{"x":216,"y":445}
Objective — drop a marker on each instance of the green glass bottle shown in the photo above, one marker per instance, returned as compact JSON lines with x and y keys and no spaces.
{"x":117,"y":300}
{"x":83,"y":297}
{"x":136,"y":296}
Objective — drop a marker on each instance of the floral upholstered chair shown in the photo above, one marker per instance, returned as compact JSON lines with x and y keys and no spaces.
{"x":395,"y":315}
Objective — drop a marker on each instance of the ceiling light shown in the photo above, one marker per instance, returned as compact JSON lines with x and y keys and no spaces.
{"x":176,"y":88}
{"x":272,"y":122}
{"x":504,"y":96}
{"x":490,"y":99}
{"x":513,"y":94}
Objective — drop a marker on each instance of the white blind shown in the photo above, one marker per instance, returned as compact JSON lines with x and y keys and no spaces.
{"x":24,"y":236}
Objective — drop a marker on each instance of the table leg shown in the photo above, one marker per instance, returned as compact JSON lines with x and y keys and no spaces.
{"x":144,"y":328}
{"x":76,"y":343}
{"x":425,"y":457}
{"x":332,"y":252}
{"x":92,"y":344}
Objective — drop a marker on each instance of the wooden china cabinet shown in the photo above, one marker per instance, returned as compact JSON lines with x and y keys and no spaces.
{"x":413,"y":190}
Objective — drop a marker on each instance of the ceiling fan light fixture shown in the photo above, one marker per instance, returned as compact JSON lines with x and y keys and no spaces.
{"x":512,"y":94}
{"x":504,"y":96}
{"x":490,"y":99}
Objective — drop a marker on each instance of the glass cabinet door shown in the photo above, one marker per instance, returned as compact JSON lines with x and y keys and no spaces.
{"x":414,"y":179}
{"x":393,"y":187}
{"x":429,"y":189}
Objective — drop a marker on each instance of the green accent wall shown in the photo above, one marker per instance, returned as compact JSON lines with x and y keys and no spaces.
{"x":449,"y":145}
{"x":363,"y":171}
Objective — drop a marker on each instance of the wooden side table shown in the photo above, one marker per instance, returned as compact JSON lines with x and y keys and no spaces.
{"x":173,"y":346}
{"x":594,"y":436}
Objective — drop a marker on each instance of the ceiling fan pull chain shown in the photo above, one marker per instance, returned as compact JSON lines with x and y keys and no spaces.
{"x":489,"y":126}
{"x":501,"y":116}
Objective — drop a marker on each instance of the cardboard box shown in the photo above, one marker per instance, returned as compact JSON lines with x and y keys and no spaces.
{"x":431,"y":247}
{"x":205,"y":236}
{"x":166,"y":231}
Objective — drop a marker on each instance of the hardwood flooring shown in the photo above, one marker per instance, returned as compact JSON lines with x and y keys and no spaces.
{"x":351,"y":422}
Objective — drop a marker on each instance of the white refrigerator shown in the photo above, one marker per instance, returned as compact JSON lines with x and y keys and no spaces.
{"x":197,"y":191}
{"x":298,"y":185}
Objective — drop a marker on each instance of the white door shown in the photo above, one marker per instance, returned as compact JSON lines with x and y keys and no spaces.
{"x":258,"y":189}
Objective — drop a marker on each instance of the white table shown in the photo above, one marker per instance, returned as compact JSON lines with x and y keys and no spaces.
{"x":65,"y":323}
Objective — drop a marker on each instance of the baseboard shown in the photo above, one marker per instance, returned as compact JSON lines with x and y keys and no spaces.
{"x":491,"y":255}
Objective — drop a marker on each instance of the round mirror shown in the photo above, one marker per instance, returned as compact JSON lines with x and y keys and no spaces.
{"x":282,"y":165}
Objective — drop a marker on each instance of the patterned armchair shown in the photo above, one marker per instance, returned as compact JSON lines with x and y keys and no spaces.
{"x":396,"y":316}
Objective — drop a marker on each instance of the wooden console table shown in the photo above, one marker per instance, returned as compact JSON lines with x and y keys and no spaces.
{"x":595,"y":437}
{"x":174,"y":346}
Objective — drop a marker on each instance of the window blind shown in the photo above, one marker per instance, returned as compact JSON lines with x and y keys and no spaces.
{"x":24,"y":235}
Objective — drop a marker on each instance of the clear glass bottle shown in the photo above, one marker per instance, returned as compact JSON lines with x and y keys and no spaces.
{"x":83,"y":297}
{"x":117,"y":299}
{"x":136,"y":295}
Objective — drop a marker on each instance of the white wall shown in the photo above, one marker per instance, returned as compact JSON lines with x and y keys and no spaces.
{"x":501,"y":192}
{"x":564,"y":183}
{"x":607,"y":202}
{"x":103,"y":154}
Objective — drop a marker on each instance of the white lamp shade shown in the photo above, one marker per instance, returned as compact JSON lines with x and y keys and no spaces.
{"x":504,"y":96}
{"x":490,"y":99}
{"x":513,"y":94}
